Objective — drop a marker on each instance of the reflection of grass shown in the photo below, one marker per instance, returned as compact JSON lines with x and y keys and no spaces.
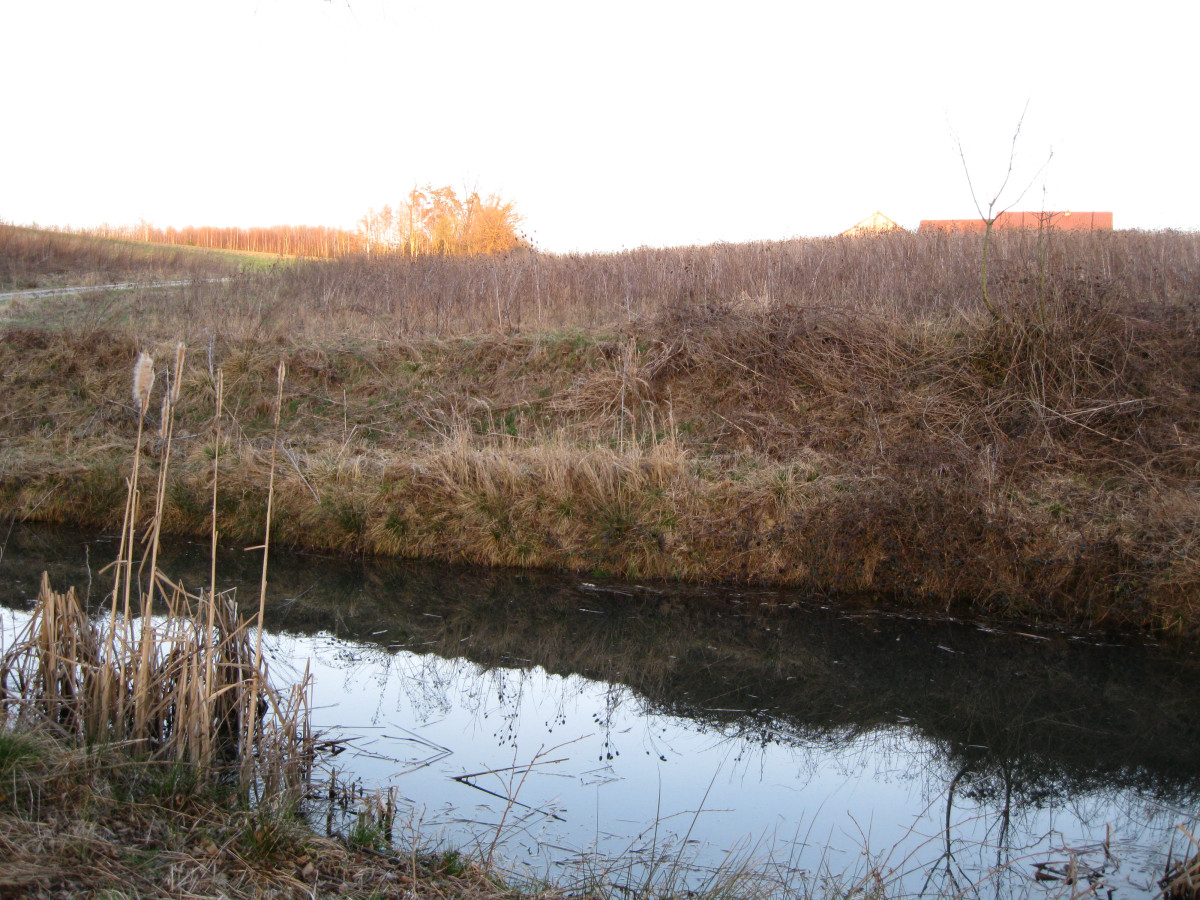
{"x":1026,"y":700}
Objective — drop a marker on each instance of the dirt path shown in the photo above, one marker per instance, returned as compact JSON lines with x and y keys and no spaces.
{"x":92,"y":288}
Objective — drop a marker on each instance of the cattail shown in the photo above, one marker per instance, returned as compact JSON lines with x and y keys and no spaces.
{"x":179,"y":348}
{"x":143,"y":380}
{"x":164,"y":418}
{"x":282,"y":376}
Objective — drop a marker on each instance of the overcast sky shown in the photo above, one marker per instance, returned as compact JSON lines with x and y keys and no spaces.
{"x":611,"y":124}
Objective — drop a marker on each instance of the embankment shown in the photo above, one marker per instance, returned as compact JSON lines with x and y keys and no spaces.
{"x":1038,"y":467}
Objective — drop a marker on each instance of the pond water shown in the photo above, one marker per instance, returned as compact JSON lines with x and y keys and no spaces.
{"x":651,"y":736}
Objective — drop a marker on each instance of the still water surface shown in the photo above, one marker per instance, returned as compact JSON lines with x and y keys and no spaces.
{"x":579,"y":730}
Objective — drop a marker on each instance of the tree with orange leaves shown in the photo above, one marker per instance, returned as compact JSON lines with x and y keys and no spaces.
{"x":435,"y":221}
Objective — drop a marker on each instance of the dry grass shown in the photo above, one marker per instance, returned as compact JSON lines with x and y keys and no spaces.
{"x":899,"y":278}
{"x":82,"y":822}
{"x":30,"y":258}
{"x":839,"y":415}
{"x":1182,"y":878}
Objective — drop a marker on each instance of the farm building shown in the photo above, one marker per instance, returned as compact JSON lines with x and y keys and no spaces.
{"x":872,"y":224}
{"x":1064,"y":220}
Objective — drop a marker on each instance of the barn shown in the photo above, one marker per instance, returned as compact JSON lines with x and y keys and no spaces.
{"x":1061,"y":220}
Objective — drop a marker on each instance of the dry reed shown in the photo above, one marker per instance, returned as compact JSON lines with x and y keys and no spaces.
{"x":899,"y":276}
{"x":183,"y":681}
{"x":1182,"y":878}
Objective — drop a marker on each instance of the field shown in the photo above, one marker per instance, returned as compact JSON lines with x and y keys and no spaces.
{"x":842,"y":415}
{"x":30,"y":259}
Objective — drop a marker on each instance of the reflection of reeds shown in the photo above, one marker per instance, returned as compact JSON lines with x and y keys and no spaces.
{"x":1182,"y":879}
{"x":183,"y":685}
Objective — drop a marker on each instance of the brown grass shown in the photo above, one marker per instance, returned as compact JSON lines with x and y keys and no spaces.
{"x":82,"y":822}
{"x":839,"y":415}
{"x":30,"y":258}
{"x":1182,"y":878}
{"x":899,"y":277}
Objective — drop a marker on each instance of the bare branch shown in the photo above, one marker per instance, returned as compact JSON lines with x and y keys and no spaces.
{"x":991,"y":214}
{"x":1012,"y":157}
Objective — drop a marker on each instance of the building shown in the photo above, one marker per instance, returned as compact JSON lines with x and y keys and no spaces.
{"x":1063,"y":220}
{"x":872,"y":224}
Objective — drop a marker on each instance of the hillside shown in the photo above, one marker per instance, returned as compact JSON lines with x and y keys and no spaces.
{"x":1037,"y":466}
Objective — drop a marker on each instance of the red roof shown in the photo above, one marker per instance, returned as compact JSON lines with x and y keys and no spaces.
{"x":1064,"y":220}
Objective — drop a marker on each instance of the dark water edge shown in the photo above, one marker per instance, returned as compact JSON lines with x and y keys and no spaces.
{"x":1004,"y":725}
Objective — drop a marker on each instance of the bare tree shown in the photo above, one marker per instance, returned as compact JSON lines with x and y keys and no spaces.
{"x":992,"y":213}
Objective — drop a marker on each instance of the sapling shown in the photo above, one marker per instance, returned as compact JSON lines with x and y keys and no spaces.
{"x":990,"y":216}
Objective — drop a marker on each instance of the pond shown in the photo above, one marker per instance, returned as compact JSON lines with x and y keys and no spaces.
{"x":666,"y":736}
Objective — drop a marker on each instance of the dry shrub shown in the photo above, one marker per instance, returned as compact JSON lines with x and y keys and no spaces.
{"x":901,"y":277}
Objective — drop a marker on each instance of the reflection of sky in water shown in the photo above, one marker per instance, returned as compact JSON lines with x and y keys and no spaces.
{"x":593,"y":768}
{"x":609,"y":767}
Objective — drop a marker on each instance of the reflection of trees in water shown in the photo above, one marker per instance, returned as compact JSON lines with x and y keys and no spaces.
{"x":427,"y":686}
{"x":1057,"y":719}
{"x":495,"y":698}
{"x":998,"y":799}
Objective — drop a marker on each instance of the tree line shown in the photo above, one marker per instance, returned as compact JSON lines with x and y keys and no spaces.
{"x":286,"y":240}
{"x":429,"y":221}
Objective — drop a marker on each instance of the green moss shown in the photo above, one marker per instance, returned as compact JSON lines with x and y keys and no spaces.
{"x":17,"y":750}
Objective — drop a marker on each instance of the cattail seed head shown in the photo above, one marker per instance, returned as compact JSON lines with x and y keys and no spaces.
{"x":179,"y":349}
{"x":279,"y":391}
{"x":143,"y":381}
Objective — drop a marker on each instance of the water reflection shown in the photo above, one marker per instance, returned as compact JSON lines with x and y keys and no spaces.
{"x":564,"y":725}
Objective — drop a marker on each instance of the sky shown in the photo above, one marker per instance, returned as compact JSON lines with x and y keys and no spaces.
{"x":610,"y":125}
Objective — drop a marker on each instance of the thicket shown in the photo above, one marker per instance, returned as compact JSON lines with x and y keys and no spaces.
{"x":899,"y":278}
{"x":316,"y":241}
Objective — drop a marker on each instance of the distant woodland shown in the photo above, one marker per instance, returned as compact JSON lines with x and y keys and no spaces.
{"x":429,"y":221}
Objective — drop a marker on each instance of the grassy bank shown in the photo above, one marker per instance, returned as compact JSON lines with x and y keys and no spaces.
{"x":147,"y":752}
{"x":85,"y":822}
{"x":32,"y":258}
{"x":888,"y":439}
{"x":1036,"y":465}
